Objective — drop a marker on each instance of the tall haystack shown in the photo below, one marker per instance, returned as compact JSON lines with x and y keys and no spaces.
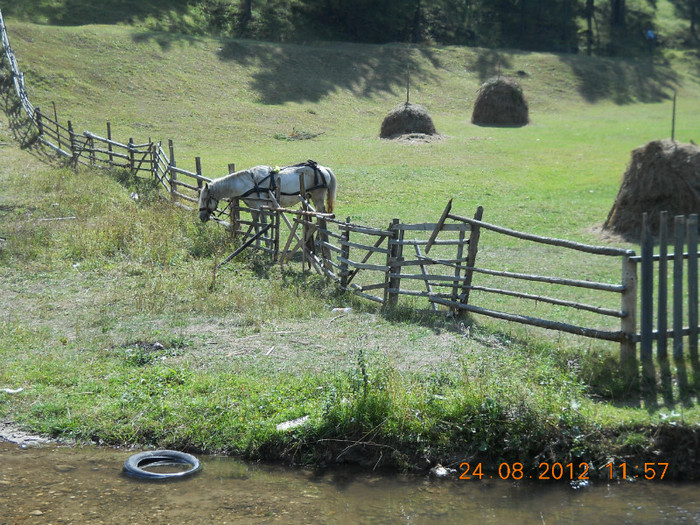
{"x":407,"y":118}
{"x":500,"y":102}
{"x":663,"y":175}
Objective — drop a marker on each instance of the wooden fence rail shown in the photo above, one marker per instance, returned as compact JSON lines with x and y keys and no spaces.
{"x":433,"y":263}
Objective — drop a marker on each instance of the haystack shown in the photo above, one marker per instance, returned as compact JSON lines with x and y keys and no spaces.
{"x":407,"y":118}
{"x":663,"y":175}
{"x":500,"y":102}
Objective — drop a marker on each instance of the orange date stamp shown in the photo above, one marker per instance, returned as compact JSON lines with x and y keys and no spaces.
{"x":564,"y":471}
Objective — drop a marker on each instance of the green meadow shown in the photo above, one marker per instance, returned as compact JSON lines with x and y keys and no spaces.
{"x":119,"y":330}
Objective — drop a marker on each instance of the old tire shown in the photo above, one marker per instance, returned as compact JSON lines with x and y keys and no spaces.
{"x":134,"y":466}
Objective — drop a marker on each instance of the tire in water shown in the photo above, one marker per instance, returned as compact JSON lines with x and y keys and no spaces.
{"x":135,"y":465}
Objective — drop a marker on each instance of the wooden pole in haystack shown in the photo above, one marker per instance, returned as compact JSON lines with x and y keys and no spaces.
{"x":673,"y":119}
{"x":408,"y":83}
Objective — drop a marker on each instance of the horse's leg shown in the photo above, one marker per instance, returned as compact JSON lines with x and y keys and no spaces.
{"x":318,"y":198}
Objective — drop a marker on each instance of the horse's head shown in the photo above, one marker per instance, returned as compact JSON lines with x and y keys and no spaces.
{"x":207,"y":203}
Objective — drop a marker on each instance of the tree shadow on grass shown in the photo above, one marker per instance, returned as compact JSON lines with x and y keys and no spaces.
{"x":296,"y":73}
{"x":622,"y":81}
{"x":79,"y":12}
{"x":22,"y":128}
{"x":310,"y":72}
{"x":163,"y":38}
{"x":490,"y":62}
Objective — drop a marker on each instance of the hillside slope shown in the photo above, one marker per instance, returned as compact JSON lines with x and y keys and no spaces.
{"x":237,"y":101}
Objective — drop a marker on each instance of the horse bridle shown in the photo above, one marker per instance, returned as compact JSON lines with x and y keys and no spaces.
{"x":207,"y":208}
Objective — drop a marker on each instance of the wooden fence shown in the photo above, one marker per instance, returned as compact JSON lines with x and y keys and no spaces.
{"x":17,"y":76}
{"x":437,"y":262}
{"x":672,"y":320}
{"x":431,"y":264}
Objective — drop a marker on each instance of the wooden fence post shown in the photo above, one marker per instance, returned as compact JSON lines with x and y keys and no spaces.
{"x":130,"y":147}
{"x":278,"y":216}
{"x":693,"y":297}
{"x":322,"y":238}
{"x":662,"y":311}
{"x":39,"y":123}
{"x":154,"y":160}
{"x":647,"y":313}
{"x":173,"y":174}
{"x":392,"y":281}
{"x":304,"y":226}
{"x":471,"y":256}
{"x":235,"y":209}
{"x":458,"y":271}
{"x":198,"y":170}
{"x":628,"y":349}
{"x":73,"y":146}
{"x":91,"y":145}
{"x":345,"y":254}
{"x":678,"y":357}
{"x":58,"y":128}
{"x":109,"y":144}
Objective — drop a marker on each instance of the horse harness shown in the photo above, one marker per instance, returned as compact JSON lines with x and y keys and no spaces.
{"x":319,"y":181}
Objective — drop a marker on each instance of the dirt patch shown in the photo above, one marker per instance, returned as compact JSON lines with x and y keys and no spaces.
{"x":607,"y":235}
{"x":325,"y":346}
{"x":417,"y":138}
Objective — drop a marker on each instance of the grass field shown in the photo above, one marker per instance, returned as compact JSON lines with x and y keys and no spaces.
{"x":120,"y":331}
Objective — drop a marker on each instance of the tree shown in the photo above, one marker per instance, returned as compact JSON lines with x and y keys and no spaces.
{"x":219,"y":14}
{"x":416,"y":30}
{"x":617,"y":13}
{"x":245,"y":15}
{"x":589,"y":15}
{"x":690,"y":10}
{"x":375,"y":21}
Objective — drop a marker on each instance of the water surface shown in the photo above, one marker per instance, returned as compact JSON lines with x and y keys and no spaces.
{"x":87,"y":485}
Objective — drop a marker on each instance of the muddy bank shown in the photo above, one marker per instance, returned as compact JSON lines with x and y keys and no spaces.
{"x":673,"y":451}
{"x":17,"y":436}
{"x":675,"y":445}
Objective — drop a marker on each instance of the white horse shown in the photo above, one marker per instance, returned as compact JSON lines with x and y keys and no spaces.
{"x":258,"y":185}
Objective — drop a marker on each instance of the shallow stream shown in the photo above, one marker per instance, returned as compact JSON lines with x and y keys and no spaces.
{"x":53,"y":484}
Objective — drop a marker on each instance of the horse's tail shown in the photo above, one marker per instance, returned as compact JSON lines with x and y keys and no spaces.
{"x":330,"y":195}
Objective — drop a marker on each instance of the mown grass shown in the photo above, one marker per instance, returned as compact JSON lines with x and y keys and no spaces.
{"x":84,"y":301}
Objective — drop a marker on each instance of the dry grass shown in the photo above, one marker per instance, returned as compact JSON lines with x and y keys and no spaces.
{"x":500,"y":102}
{"x":662,"y":175}
{"x":406,"y":119}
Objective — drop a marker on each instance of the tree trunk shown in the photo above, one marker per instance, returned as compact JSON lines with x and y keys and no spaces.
{"x":589,"y":13}
{"x":617,"y":13}
{"x":416,"y":31}
{"x":246,"y":14}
